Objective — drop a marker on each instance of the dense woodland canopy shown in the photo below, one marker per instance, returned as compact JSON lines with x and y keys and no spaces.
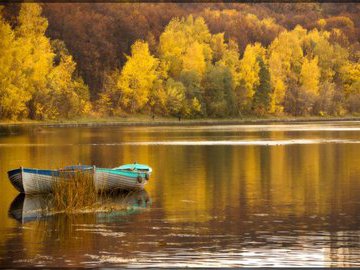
{"x":64,"y":60}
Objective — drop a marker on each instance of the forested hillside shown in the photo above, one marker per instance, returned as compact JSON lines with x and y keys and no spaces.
{"x":63,"y":60}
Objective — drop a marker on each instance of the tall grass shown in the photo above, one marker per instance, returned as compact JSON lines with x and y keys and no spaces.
{"x":74,"y":191}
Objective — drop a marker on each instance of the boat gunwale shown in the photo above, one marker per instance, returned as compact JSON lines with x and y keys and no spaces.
{"x":127,"y":173}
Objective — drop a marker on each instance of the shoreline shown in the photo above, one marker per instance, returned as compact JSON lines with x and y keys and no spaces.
{"x":148,"y":122}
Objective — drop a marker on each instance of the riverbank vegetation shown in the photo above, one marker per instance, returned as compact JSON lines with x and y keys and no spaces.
{"x":220,"y":61}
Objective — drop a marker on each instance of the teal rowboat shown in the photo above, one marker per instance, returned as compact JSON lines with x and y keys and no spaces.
{"x":127,"y":177}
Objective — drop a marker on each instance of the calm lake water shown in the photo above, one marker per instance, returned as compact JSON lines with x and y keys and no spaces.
{"x":244,"y":195}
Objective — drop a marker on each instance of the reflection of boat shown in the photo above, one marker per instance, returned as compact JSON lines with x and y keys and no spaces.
{"x":25,"y":208}
{"x":127,"y":177}
{"x":135,"y":201}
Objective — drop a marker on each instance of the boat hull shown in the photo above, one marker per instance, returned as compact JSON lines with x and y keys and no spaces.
{"x":105,"y":179}
{"x":16,"y":179}
{"x":32,"y":181}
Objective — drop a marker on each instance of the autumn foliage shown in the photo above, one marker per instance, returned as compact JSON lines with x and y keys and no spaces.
{"x":217,"y":62}
{"x":37,"y":76}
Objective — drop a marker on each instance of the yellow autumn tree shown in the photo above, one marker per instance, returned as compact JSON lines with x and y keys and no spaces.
{"x":108,"y":103}
{"x":137,"y":77}
{"x":67,"y":95}
{"x":37,"y":79}
{"x":230,"y":58}
{"x":218,"y":46}
{"x":158,"y":95}
{"x":182,"y":40}
{"x":13,"y":85}
{"x":310,"y":75}
{"x":317,"y":43}
{"x":37,"y":56}
{"x":249,"y":73}
{"x":350,"y":76}
{"x":331,"y":58}
{"x":307,"y":93}
{"x":186,"y":45}
{"x":175,"y":96}
{"x":194,"y":58}
{"x":285,"y":62}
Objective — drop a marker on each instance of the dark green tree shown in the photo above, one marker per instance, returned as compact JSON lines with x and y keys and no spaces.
{"x":219,"y":95}
{"x":262,"y":98}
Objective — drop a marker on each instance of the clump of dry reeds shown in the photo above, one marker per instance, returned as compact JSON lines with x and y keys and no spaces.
{"x":74,"y":191}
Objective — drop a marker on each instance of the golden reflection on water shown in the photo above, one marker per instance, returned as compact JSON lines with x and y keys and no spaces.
{"x":205,"y":197}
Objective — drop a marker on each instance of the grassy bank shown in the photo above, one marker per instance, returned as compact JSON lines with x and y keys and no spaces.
{"x":145,"y":120}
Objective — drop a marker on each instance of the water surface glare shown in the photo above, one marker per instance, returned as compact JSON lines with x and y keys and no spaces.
{"x":220,"y":196}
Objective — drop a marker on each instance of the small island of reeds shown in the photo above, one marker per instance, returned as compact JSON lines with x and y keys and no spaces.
{"x":76,"y":194}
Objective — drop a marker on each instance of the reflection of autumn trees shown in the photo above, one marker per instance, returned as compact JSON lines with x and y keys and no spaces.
{"x":276,"y":181}
{"x":301,"y":177}
{"x":300,"y":180}
{"x":246,"y":194}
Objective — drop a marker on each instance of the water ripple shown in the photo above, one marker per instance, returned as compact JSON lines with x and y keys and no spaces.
{"x":241,"y":142}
